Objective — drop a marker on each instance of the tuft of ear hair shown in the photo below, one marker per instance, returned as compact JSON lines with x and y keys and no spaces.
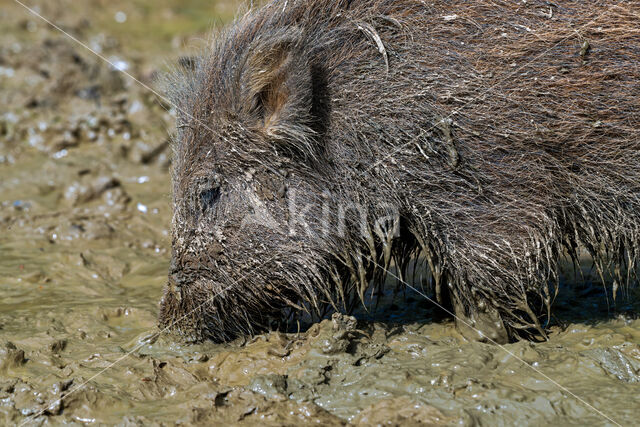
{"x":278,"y":92}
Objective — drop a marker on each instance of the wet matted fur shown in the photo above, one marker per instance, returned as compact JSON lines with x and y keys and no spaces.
{"x":499,"y":134}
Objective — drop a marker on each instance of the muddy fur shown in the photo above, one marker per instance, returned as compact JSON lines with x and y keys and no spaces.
{"x":503,"y":134}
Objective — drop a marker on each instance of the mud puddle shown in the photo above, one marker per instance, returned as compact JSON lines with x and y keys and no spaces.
{"x":84,"y":216}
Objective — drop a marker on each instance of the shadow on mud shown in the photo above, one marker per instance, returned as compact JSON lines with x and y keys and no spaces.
{"x":582,"y":298}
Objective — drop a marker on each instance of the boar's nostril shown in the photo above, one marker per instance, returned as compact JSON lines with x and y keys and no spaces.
{"x":174,"y":279}
{"x":209,"y":197}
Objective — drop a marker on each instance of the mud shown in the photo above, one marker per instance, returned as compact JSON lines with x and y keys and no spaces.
{"x":84,"y":213}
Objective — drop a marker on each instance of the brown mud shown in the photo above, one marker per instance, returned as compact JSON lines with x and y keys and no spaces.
{"x":84,"y":217}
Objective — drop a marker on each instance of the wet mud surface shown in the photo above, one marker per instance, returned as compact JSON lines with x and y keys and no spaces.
{"x":84,"y":252}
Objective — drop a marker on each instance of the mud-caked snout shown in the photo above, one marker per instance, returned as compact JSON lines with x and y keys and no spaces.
{"x":170,"y":316}
{"x":198,"y":306}
{"x":178,"y":311}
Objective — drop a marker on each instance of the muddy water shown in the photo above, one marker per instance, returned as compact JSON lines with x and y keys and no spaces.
{"x":84,"y":211}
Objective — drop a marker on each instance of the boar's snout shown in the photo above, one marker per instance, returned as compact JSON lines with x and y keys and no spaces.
{"x":187,"y":308}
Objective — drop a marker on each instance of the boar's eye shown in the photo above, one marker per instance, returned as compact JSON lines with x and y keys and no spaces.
{"x":209,"y":197}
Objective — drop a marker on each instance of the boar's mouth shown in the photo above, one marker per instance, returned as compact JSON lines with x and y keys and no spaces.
{"x":205,"y":309}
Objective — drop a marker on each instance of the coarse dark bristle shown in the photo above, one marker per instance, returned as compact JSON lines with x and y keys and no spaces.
{"x":502,"y":133}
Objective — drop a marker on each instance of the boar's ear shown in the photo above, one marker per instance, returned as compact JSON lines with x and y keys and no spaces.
{"x":278,"y":94}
